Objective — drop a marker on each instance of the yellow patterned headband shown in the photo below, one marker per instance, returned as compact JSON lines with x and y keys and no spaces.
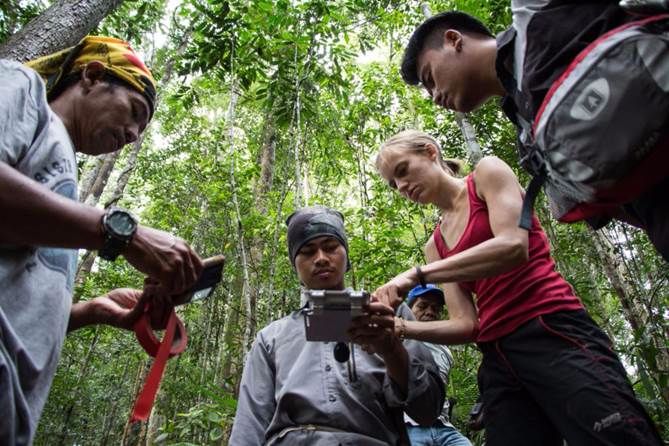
{"x":116,"y":55}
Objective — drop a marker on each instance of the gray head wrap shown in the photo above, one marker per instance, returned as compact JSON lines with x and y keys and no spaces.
{"x":312,"y":222}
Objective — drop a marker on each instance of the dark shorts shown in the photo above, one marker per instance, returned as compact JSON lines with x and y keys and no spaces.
{"x":556,"y":377}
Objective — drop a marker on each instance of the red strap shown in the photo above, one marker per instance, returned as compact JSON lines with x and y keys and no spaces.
{"x":162,"y":351}
{"x":148,"y":340}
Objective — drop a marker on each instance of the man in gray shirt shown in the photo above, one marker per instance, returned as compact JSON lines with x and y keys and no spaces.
{"x":94,"y":98}
{"x":295,"y":392}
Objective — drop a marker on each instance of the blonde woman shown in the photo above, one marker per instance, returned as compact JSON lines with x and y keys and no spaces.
{"x":548,"y":372}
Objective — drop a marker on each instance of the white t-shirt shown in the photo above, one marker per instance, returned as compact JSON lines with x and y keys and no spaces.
{"x":35,"y":283}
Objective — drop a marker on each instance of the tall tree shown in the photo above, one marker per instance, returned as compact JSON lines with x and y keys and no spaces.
{"x":62,"y":25}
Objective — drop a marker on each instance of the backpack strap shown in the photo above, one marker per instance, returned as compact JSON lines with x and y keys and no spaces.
{"x":531,"y":193}
{"x":532,"y":160}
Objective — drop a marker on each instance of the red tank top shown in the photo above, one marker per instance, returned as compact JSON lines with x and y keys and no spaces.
{"x":510,"y":299}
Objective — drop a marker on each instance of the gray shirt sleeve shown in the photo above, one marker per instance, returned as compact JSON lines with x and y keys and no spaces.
{"x":23,"y":98}
{"x":256,"y":403}
{"x":425,"y":396}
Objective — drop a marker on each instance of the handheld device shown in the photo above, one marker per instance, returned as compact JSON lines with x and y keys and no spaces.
{"x":211,"y":275}
{"x":328,"y":313}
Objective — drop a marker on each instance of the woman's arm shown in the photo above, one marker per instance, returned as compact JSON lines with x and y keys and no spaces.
{"x":498,"y":186}
{"x":462,"y":324}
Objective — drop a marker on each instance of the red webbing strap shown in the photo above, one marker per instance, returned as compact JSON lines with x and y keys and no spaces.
{"x":162,"y":351}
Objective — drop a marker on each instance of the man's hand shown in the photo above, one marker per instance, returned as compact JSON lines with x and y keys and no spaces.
{"x":375,"y":330}
{"x":121,"y":308}
{"x":393,"y":292}
{"x":165,"y":258}
{"x":118,"y":308}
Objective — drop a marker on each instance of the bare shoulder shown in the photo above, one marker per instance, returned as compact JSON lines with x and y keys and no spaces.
{"x":490,"y":166}
{"x":492,"y":175}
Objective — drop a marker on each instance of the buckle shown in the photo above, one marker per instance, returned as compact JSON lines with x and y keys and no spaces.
{"x":534,"y":161}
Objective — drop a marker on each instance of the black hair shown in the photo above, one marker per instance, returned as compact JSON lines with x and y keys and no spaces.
{"x":72,"y":78}
{"x":421,"y":36}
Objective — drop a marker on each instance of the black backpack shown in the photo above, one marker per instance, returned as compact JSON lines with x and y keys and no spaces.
{"x":600,"y":137}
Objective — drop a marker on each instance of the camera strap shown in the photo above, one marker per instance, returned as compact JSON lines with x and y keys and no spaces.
{"x":173,"y":343}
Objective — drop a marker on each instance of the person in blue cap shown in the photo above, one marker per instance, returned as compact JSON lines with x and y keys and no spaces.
{"x":427,"y":304}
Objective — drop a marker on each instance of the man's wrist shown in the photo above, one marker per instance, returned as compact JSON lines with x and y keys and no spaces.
{"x":394,"y":348}
{"x":82,"y":314}
{"x":118,"y":228}
{"x":396,"y":360}
{"x":409,"y":280}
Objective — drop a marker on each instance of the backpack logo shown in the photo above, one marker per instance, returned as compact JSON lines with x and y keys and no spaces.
{"x":591,"y":101}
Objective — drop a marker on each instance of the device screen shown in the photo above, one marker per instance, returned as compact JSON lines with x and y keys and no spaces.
{"x":212,"y":273}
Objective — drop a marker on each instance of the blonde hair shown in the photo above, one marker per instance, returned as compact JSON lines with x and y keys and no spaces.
{"x":417,"y":141}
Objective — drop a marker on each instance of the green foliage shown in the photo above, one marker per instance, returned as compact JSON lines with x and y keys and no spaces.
{"x":15,"y":13}
{"x":132,"y":20}
{"x":206,"y":421}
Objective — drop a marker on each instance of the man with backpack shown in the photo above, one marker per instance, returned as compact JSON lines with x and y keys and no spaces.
{"x":462,"y":65}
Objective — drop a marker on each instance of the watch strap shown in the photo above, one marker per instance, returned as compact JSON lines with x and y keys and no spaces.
{"x":113,"y":243}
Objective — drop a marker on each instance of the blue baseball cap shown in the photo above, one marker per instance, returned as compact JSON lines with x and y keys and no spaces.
{"x":420,"y":290}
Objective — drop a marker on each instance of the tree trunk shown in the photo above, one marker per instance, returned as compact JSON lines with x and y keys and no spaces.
{"x":83,"y":269}
{"x":90,"y":177}
{"x":111,"y":412}
{"x":125,"y":174}
{"x":278,"y":227}
{"x":91,"y":196}
{"x":267,"y":158}
{"x":231,"y":321}
{"x":469,"y":134}
{"x":616,"y":275}
{"x":83,"y":373}
{"x":62,"y":25}
{"x":219,"y":344}
{"x":134,"y":432}
{"x":103,"y":177}
{"x":202,"y":352}
{"x":296,"y":138}
{"x":248,"y":299}
{"x":651,"y":348}
{"x":262,"y":187}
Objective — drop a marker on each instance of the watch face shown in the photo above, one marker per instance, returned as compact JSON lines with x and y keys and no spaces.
{"x":121,"y":223}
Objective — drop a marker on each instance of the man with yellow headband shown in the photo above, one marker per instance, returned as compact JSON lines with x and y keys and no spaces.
{"x":94,"y":98}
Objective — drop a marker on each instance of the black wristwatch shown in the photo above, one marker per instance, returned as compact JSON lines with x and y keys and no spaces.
{"x":118,"y":229}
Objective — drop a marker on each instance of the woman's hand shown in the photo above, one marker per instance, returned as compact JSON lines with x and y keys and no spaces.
{"x":393,"y":292}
